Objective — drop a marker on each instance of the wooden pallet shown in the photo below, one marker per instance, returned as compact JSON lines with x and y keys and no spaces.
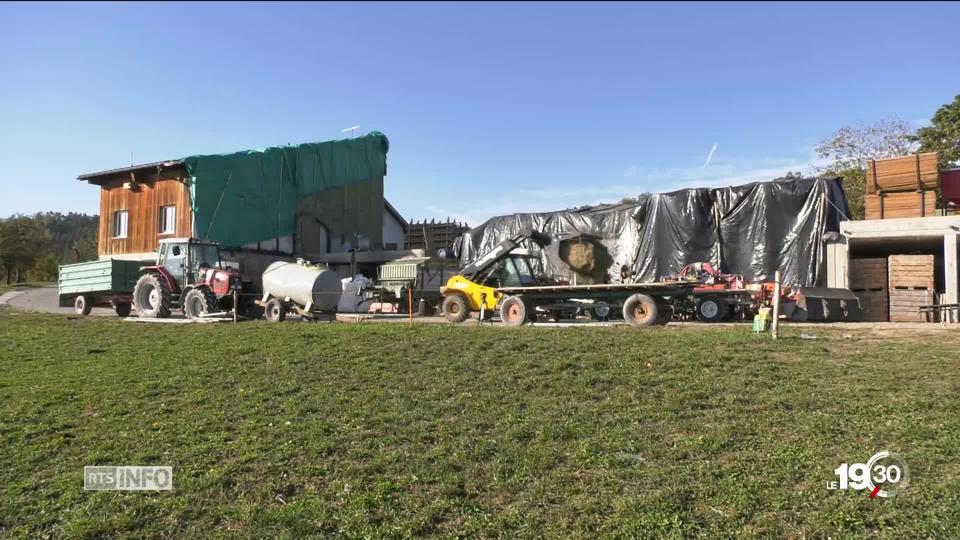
{"x":915,"y":172}
{"x":911,"y":272}
{"x":905,"y":305}
{"x":875,"y":305}
{"x":868,"y":274}
{"x":905,"y":204}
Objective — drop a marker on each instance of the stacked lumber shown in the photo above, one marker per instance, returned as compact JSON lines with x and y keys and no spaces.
{"x":905,"y":204}
{"x":911,"y":283}
{"x":903,"y":187}
{"x":908,"y":173}
{"x":868,"y":280}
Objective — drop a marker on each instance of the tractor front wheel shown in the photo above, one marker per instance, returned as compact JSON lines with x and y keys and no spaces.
{"x":199,"y":302}
{"x":152,"y":298}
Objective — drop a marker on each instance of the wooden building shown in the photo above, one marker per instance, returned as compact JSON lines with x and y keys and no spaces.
{"x":326,"y":198}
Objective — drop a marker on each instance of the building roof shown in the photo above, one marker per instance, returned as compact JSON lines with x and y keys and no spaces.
{"x":99,"y":177}
{"x":393,"y":212}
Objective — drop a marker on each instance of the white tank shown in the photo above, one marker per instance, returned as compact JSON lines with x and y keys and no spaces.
{"x":303,"y":283}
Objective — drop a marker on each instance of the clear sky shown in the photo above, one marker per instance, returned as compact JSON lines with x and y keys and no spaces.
{"x":490,"y":108}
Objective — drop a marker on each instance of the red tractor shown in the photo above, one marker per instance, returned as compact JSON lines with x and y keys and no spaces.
{"x":188,"y":275}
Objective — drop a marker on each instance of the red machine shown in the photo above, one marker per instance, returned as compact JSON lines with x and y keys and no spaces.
{"x":188,"y":274}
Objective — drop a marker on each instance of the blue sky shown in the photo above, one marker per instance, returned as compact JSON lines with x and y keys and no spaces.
{"x":490,"y":108}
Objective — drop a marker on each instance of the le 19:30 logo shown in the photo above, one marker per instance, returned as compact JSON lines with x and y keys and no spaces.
{"x":885,"y":474}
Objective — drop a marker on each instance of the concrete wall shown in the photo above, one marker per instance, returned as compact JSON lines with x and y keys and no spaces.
{"x":393,"y":231}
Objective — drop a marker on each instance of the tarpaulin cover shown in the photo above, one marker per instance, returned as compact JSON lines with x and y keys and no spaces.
{"x":250,"y":196}
{"x":753,"y":229}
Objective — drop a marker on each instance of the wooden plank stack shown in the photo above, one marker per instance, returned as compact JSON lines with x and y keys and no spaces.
{"x":902,"y":187}
{"x":868,"y":280}
{"x":911,"y":284}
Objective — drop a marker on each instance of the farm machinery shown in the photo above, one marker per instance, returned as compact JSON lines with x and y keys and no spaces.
{"x":190,"y":275}
{"x":719,"y":296}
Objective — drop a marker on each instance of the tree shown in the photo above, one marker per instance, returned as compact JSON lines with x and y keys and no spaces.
{"x":22,"y":242}
{"x":850,"y":148}
{"x":943,"y":134}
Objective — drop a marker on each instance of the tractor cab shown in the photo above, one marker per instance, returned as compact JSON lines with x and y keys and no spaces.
{"x":185,"y":258}
{"x":515,"y":270}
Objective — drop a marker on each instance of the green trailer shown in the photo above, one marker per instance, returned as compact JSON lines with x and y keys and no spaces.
{"x":104,"y":282}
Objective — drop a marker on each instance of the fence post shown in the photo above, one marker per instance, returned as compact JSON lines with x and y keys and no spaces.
{"x":776,"y":305}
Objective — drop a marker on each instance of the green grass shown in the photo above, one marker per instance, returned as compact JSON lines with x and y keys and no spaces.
{"x":380,"y":430}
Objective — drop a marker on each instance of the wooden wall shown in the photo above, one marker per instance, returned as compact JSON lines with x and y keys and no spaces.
{"x":143,"y":206}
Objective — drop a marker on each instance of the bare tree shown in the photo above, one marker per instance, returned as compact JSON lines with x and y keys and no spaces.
{"x":849,"y":149}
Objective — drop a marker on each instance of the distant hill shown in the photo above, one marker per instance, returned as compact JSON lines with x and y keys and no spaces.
{"x":69,"y":232}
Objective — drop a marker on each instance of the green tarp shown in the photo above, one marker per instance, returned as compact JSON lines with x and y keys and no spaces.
{"x":250,"y":196}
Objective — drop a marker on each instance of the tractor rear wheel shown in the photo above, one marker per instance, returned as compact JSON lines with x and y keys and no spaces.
{"x":455,"y":308}
{"x":152,"y":298}
{"x":641,"y":310}
{"x":712,"y":309}
{"x":199,"y":302}
{"x":82,"y":305}
{"x":513,"y":311}
{"x":275,"y":311}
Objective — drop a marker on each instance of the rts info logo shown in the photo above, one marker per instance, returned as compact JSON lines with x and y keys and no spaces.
{"x":885,"y":474}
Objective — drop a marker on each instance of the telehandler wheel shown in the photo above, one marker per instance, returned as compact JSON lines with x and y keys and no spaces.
{"x":641,"y":310}
{"x":122,"y":308}
{"x":513,"y":311}
{"x":152,"y":297}
{"x":712,"y":309}
{"x":275,"y":311}
{"x":82,"y":305}
{"x":199,"y":302}
{"x":455,"y":308}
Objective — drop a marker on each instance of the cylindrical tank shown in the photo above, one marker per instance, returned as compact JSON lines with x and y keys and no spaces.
{"x":303,"y":284}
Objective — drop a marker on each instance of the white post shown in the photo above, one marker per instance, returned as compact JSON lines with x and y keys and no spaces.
{"x":950,"y":267}
{"x":776,"y":305}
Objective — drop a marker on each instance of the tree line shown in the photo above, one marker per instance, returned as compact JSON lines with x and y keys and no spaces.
{"x":32,"y":247}
{"x":850,"y":148}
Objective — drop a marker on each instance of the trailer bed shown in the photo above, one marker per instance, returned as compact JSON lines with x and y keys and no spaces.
{"x":660,"y":287}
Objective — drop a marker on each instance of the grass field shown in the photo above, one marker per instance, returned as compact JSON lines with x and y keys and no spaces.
{"x":382,"y":430}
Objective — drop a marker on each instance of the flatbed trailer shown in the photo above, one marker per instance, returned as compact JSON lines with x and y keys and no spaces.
{"x":642,"y":304}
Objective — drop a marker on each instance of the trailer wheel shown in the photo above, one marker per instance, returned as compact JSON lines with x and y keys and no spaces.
{"x":641,"y":310}
{"x":82,"y":305}
{"x":513,"y":311}
{"x":275,"y":311}
{"x":712,"y":309}
{"x":199,"y":302}
{"x":122,"y":308}
{"x":152,"y":297}
{"x":455,"y":308}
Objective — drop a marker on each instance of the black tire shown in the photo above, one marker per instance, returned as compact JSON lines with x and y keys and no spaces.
{"x":665,"y":315}
{"x":122,"y":308}
{"x":712,"y":308}
{"x":641,"y":310}
{"x":82,"y":305}
{"x":275,"y":311}
{"x":152,"y":298}
{"x":199,"y":302}
{"x":513,"y":311}
{"x":455,"y":308}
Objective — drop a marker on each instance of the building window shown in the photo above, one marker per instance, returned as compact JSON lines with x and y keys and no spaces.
{"x":168,"y":219}
{"x":120,"y":224}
